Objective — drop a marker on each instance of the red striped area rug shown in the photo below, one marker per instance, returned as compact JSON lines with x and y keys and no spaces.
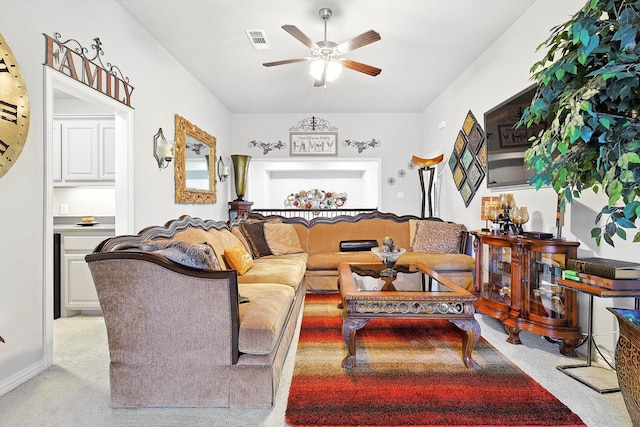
{"x":408,"y":373}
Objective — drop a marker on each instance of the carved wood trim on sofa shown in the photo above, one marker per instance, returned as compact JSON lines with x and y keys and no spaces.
{"x":308,"y":223}
{"x":166,"y":231}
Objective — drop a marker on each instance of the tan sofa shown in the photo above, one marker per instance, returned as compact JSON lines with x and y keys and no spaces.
{"x":181,"y":335}
{"x":320,"y":238}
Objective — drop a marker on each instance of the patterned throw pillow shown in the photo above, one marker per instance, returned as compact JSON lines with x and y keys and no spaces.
{"x":282,"y":239}
{"x":238,"y":258}
{"x":438,"y":237}
{"x":195,"y":255}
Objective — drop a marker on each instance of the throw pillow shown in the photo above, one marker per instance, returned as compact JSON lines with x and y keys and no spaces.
{"x":238,"y":258}
{"x":282,"y":238}
{"x":254,"y":233}
{"x":438,"y":237}
{"x":195,"y":255}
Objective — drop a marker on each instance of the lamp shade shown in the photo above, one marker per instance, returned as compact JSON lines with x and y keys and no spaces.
{"x":318,"y":66}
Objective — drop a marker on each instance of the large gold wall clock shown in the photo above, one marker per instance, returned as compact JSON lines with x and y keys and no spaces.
{"x":14,"y":109}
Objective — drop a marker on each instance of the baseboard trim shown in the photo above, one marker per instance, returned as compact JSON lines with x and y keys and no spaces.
{"x":22,"y":376}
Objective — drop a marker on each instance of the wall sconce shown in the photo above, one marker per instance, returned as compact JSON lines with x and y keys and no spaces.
{"x":223,"y":171}
{"x":162,"y":150}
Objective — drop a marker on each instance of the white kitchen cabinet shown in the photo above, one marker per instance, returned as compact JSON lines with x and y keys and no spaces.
{"x":78,"y":292}
{"x":84,"y":151}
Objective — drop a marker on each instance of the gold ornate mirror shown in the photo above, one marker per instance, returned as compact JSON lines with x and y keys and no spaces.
{"x":195,"y":160}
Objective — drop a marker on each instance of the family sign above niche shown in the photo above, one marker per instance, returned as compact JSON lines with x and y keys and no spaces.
{"x":70,"y":58}
{"x":313,"y":143}
{"x":313,"y":136}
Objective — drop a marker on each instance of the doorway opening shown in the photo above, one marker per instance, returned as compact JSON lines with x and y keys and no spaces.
{"x":60,"y":90}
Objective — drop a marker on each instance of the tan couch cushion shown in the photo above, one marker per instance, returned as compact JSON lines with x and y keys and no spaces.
{"x":330,"y":260}
{"x":325,"y":238}
{"x":236,"y":232}
{"x":282,"y":239}
{"x":263,"y":317}
{"x":286,"y":269}
{"x":440,"y":262}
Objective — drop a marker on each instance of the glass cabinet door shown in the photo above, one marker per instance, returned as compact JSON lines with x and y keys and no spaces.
{"x":516,"y":282}
{"x":546,"y":297}
{"x":496,"y":273}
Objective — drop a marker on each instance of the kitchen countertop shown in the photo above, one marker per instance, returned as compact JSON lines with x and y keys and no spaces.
{"x":105,"y":224}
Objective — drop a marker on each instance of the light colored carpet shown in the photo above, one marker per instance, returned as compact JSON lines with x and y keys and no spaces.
{"x":75,"y":390}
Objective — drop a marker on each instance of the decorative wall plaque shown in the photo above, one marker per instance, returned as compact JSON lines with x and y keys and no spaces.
{"x":313,"y":143}
{"x":361,"y":145}
{"x":468,"y":159}
{"x":70,"y":58}
{"x":267,"y":146}
{"x":313,"y":136}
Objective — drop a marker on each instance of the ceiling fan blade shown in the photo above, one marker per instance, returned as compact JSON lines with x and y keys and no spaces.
{"x":359,"y":41}
{"x":359,"y":66}
{"x":286,"y":61}
{"x":295,"y":32}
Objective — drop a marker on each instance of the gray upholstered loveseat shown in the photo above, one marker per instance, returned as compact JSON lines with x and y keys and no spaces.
{"x":191,"y":324}
{"x":178,"y":335}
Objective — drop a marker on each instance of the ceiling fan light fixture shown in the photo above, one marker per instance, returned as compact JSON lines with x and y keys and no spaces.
{"x":333,"y":67}
{"x":326,"y":56}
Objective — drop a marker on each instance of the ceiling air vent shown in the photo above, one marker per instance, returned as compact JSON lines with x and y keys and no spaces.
{"x":258,"y":39}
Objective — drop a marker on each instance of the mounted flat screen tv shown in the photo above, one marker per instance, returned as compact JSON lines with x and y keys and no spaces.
{"x":506,"y":144}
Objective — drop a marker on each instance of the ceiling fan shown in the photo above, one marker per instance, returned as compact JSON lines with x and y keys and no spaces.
{"x":326,"y":56}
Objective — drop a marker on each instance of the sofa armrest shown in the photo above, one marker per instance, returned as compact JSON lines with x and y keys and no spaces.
{"x":155,"y":308}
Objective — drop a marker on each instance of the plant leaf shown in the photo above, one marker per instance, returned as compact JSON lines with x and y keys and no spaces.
{"x":624,"y":222}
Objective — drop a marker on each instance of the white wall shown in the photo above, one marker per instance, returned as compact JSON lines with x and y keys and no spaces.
{"x":400,"y":136}
{"x":499,"y":73}
{"x":162,"y":89}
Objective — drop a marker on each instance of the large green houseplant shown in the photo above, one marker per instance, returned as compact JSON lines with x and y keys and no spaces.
{"x":588,"y":99}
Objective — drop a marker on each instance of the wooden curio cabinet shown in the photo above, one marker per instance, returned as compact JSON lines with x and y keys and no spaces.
{"x":516,"y":282}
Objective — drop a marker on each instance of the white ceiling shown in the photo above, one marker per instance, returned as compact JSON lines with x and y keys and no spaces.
{"x":425,"y":45}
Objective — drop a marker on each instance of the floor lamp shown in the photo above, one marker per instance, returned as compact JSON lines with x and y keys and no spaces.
{"x":429,"y":166}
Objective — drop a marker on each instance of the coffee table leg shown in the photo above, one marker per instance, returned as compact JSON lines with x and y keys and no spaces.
{"x":349,"y":328}
{"x":472,"y":336}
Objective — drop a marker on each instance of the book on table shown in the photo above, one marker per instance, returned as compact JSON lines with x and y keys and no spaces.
{"x":612,"y":284}
{"x":603,"y":267}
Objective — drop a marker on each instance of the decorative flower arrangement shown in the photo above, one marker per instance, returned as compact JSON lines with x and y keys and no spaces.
{"x":315,"y":199}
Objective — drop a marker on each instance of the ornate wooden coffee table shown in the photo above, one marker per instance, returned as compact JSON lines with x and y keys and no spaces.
{"x":363,"y":299}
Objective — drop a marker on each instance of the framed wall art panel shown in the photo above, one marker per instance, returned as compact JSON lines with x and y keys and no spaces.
{"x":313,"y":143}
{"x":468,"y":160}
{"x":458,"y":176}
{"x":460,"y":143}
